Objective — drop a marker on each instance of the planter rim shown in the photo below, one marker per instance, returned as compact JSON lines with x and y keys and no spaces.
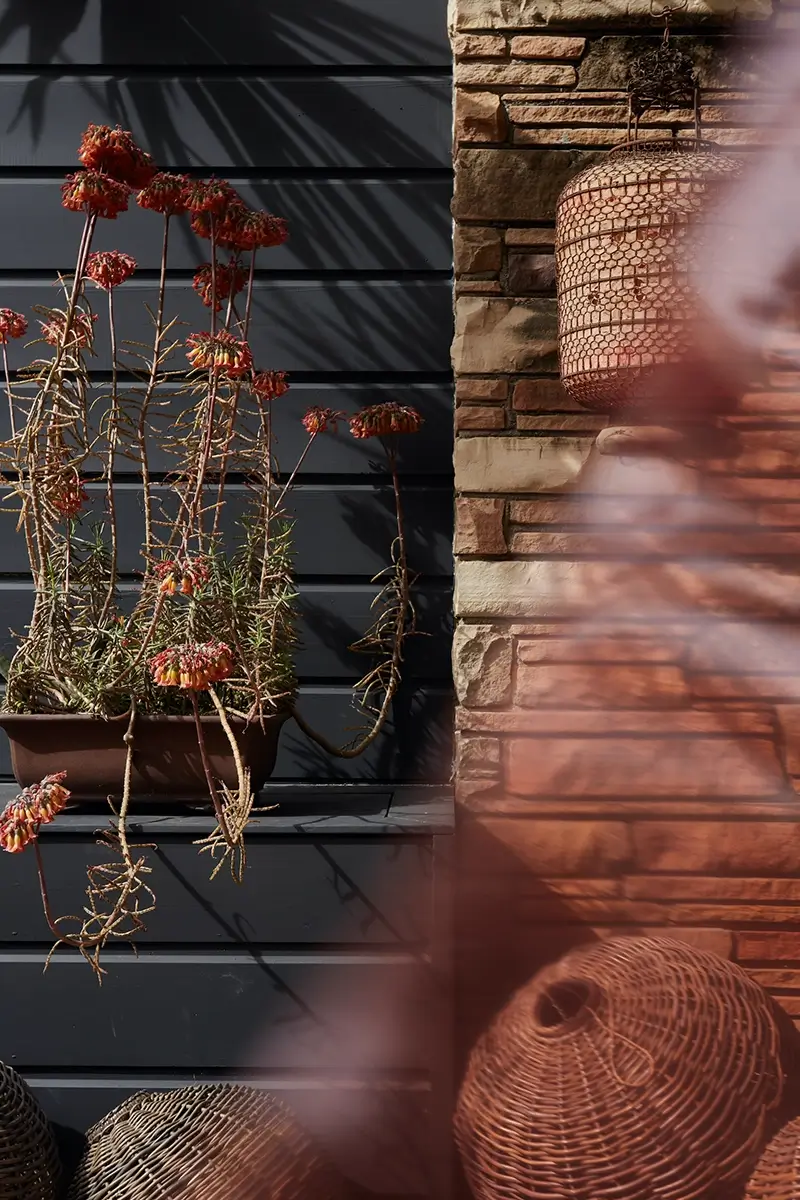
{"x":161,"y":718}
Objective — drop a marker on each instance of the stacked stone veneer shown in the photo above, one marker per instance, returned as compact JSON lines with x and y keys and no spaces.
{"x":620,"y":782}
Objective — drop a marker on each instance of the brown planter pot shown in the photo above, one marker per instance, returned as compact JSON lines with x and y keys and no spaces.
{"x":166,"y":759}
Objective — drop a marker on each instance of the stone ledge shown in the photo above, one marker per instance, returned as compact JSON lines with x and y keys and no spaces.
{"x":533,"y":14}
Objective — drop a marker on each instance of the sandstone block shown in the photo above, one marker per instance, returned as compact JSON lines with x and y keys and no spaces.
{"x":693,"y":887}
{"x":482,"y":659}
{"x":478,"y":287}
{"x":562,"y":423}
{"x":474,"y":45}
{"x":477,"y":250}
{"x":532,"y":14}
{"x":479,"y":526}
{"x":514,"y":75}
{"x":478,"y":757}
{"x":583,"y":685}
{"x":480,"y":417}
{"x":479,"y":117}
{"x":591,"y":649}
{"x":583,"y":848}
{"x":617,"y":766}
{"x":718,"y":847}
{"x":541,"y":395}
{"x":569,"y":137}
{"x":513,"y":185}
{"x":519,"y":464}
{"x":481,"y":389}
{"x":500,"y":336}
{"x":547,"y":47}
{"x":783,"y":946}
{"x":531,"y":273}
{"x":675,"y":723}
{"x":531,"y":237}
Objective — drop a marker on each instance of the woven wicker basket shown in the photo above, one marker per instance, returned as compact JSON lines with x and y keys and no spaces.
{"x":634,"y":1068}
{"x":625,"y":301}
{"x":777,"y":1176}
{"x":29,"y":1166}
{"x":203,"y":1143}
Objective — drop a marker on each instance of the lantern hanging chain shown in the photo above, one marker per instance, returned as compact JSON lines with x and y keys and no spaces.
{"x":663,"y":78}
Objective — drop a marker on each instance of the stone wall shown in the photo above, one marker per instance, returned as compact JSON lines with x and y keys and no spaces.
{"x":622,"y":780}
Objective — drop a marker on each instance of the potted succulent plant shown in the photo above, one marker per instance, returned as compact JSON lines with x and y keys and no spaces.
{"x":180,"y":686}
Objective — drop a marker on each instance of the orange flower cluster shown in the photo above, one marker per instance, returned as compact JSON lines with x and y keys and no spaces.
{"x":381,"y":420}
{"x":210,"y":196}
{"x":95,"y":192}
{"x":12,"y":325}
{"x":269,"y":384}
{"x":247,"y":229}
{"x":67,"y":493}
{"x":165,"y":194}
{"x":34,"y":806}
{"x":115,"y":153}
{"x":109,"y":268}
{"x":192,"y":666}
{"x":229,"y":280}
{"x":81,"y":332}
{"x":221,"y":353}
{"x":184,"y":576}
{"x":317,"y":420}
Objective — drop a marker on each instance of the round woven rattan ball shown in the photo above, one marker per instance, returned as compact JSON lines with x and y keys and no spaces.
{"x":203,"y":1143}
{"x":29,"y":1166}
{"x":638,"y":1067}
{"x":777,"y":1176}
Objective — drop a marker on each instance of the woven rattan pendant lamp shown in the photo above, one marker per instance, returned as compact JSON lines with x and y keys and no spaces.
{"x":633,"y":1069}
{"x":29,"y":1166}
{"x":623,"y":241}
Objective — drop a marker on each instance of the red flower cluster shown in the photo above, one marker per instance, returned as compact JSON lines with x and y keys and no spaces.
{"x":109,"y":268}
{"x":212,"y":196}
{"x":381,"y":420}
{"x":219,"y":352}
{"x":34,"y":806}
{"x":95,"y":192}
{"x":184,"y":575}
{"x":81,"y":332}
{"x":115,"y":153}
{"x":247,"y":229}
{"x":12,"y":325}
{"x":317,"y":420}
{"x":269,"y":384}
{"x":192,"y":666}
{"x":67,"y":494}
{"x":229,"y":280}
{"x":165,"y":194}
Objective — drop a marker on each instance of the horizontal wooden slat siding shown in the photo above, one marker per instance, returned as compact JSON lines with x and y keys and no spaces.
{"x":336,"y":454}
{"x":340,"y":531}
{"x":208,"y":1010}
{"x":229,"y":123}
{"x":336,"y":225}
{"x":378,"y":1134}
{"x":331,"y":617}
{"x":319,"y":325}
{"x":355,"y":891}
{"x":415,"y":746}
{"x":237,"y":33}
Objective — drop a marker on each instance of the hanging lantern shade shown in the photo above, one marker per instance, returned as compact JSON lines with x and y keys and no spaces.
{"x":634,"y":1068}
{"x":29,"y":1165}
{"x":777,"y":1176}
{"x":203,"y":1143}
{"x":624,"y":230}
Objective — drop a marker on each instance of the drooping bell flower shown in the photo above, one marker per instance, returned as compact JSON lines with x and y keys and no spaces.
{"x":248,"y":229}
{"x":12,"y":325}
{"x":318,"y":420}
{"x":181,"y":575}
{"x":36,"y":805}
{"x":109,"y":268}
{"x":115,"y":152}
{"x":210,"y":196}
{"x":80,"y":334}
{"x":229,"y":279}
{"x":192,"y":666}
{"x":94,"y":192}
{"x":221,"y":353}
{"x":269,"y":384}
{"x":165,"y":194}
{"x":67,"y":494}
{"x":382,"y":420}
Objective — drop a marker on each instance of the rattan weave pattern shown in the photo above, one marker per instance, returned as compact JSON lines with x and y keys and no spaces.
{"x":29,"y":1165}
{"x":624,"y":229}
{"x":203,"y":1142}
{"x":777,"y":1175}
{"x":638,"y":1067}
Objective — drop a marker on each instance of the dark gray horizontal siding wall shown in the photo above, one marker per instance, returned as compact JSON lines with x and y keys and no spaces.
{"x":324,"y":977}
{"x":336,"y":116}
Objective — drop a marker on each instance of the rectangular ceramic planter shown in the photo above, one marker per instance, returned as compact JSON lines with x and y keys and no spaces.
{"x":166,"y":759}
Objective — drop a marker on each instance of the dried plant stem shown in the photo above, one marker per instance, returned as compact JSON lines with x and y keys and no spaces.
{"x":244,"y":784}
{"x":113,"y":433}
{"x":9,"y":393}
{"x":141,"y":428}
{"x":210,"y":781}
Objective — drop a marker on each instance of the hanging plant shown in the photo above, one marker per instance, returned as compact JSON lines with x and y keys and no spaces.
{"x":187,"y":688}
